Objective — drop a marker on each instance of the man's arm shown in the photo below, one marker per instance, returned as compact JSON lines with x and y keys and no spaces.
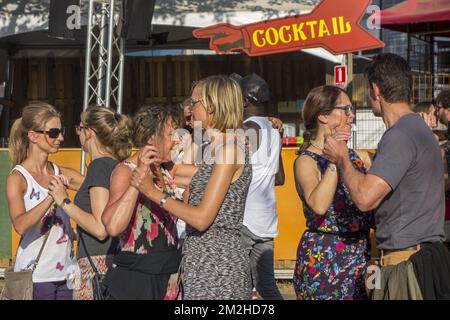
{"x":366,"y":190}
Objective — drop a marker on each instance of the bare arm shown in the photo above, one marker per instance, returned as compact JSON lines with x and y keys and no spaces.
{"x":75,"y":178}
{"x":122,"y":201}
{"x":92,"y":223}
{"x":367,"y":191}
{"x":183,"y":173}
{"x":318,"y":191}
{"x":23,"y":220}
{"x":203,"y":215}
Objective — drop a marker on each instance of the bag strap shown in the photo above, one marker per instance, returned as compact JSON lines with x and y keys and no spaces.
{"x":88,"y":255}
{"x":47,"y":234}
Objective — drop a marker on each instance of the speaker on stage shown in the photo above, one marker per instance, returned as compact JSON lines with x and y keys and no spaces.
{"x":138,"y":19}
{"x":63,"y":18}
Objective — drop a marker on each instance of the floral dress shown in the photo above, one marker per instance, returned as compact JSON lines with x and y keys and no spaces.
{"x":334,"y":250}
{"x":151,"y":230}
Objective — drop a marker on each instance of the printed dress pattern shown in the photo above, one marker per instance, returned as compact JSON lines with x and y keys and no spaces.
{"x":334,"y":250}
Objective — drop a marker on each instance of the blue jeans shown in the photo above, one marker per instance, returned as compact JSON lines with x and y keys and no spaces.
{"x":261,"y":263}
{"x":56,"y":290}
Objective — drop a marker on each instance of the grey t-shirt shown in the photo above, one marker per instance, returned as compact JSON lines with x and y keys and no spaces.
{"x":98,"y":175}
{"x":409,"y":160}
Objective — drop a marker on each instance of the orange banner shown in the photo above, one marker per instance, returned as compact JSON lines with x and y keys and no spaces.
{"x":332,"y":25}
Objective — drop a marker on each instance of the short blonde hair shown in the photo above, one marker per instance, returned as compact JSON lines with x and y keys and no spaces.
{"x":223,"y":97}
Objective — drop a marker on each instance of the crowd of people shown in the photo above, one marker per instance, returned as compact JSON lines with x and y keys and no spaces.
{"x":183,"y":218}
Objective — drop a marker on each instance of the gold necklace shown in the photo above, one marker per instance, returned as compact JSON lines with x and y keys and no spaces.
{"x":313,"y":143}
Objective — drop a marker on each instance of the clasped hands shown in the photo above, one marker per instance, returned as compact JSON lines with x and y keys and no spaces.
{"x":57,"y":188}
{"x":142,"y":177}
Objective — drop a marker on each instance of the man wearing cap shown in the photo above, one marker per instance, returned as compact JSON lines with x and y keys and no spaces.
{"x":260,"y":225}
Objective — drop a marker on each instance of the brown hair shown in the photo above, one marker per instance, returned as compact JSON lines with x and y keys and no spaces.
{"x":150,"y":120}
{"x":34,"y":117}
{"x":113,"y":130}
{"x":423,"y":106}
{"x":320,"y":100}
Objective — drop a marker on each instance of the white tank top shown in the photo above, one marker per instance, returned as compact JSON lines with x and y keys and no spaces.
{"x":56,"y":262}
{"x":260,"y":215}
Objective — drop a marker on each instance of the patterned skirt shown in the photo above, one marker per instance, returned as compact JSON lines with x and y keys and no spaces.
{"x":83,"y":279}
{"x":331,"y":267}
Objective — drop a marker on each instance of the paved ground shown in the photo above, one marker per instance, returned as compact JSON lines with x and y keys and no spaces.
{"x":285,"y":286}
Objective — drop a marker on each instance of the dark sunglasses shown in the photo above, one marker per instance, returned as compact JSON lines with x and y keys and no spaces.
{"x":52,"y":133}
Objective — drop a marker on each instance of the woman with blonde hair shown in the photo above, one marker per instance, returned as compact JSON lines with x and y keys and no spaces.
{"x":215,"y":264}
{"x":33,"y":137}
{"x":106,"y":136}
{"x":333,"y":251}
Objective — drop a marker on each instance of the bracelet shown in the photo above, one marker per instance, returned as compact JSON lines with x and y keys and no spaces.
{"x":163,"y":200}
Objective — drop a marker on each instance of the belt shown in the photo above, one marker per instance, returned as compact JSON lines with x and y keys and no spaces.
{"x":415,"y":247}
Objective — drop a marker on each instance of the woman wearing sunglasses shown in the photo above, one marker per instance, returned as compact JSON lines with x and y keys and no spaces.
{"x":334,"y":250}
{"x":106,"y":136}
{"x":33,"y":137}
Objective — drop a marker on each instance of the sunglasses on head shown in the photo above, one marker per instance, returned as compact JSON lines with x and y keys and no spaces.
{"x":52,"y":133}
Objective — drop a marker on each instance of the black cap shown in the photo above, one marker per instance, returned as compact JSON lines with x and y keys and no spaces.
{"x":255,"y":89}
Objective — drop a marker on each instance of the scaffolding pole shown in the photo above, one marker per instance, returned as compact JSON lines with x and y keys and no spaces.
{"x":104,"y":57}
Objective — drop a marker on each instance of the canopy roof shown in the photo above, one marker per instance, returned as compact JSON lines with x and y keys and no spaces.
{"x":423,"y":17}
{"x":23,"y":24}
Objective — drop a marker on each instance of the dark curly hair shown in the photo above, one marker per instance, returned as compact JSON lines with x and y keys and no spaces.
{"x":443,"y":99}
{"x":149,"y":121}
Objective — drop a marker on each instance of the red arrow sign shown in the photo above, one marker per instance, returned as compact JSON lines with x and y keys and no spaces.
{"x":333,"y":25}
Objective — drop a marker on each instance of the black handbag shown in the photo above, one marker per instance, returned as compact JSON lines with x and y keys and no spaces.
{"x":99,"y":290}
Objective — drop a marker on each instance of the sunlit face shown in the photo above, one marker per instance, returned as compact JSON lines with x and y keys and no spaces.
{"x":43,"y":139}
{"x":166,"y":141}
{"x":198,"y":109}
{"x":342,"y":115}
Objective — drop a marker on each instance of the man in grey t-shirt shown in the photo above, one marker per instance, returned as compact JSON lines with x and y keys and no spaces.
{"x":405,"y":184}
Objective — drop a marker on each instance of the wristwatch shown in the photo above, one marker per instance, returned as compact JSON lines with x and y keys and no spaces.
{"x":163,"y":200}
{"x":332,"y":167}
{"x":65,"y":202}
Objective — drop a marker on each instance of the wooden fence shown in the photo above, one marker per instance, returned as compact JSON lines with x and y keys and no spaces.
{"x":162,"y":80}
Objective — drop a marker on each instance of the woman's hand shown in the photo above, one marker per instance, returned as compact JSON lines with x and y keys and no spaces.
{"x":276,"y":123}
{"x":57,"y":190}
{"x":65,"y":180}
{"x":142,"y":177}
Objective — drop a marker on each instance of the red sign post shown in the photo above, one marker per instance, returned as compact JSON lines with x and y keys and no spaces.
{"x":332,"y":25}
{"x":340,"y":76}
